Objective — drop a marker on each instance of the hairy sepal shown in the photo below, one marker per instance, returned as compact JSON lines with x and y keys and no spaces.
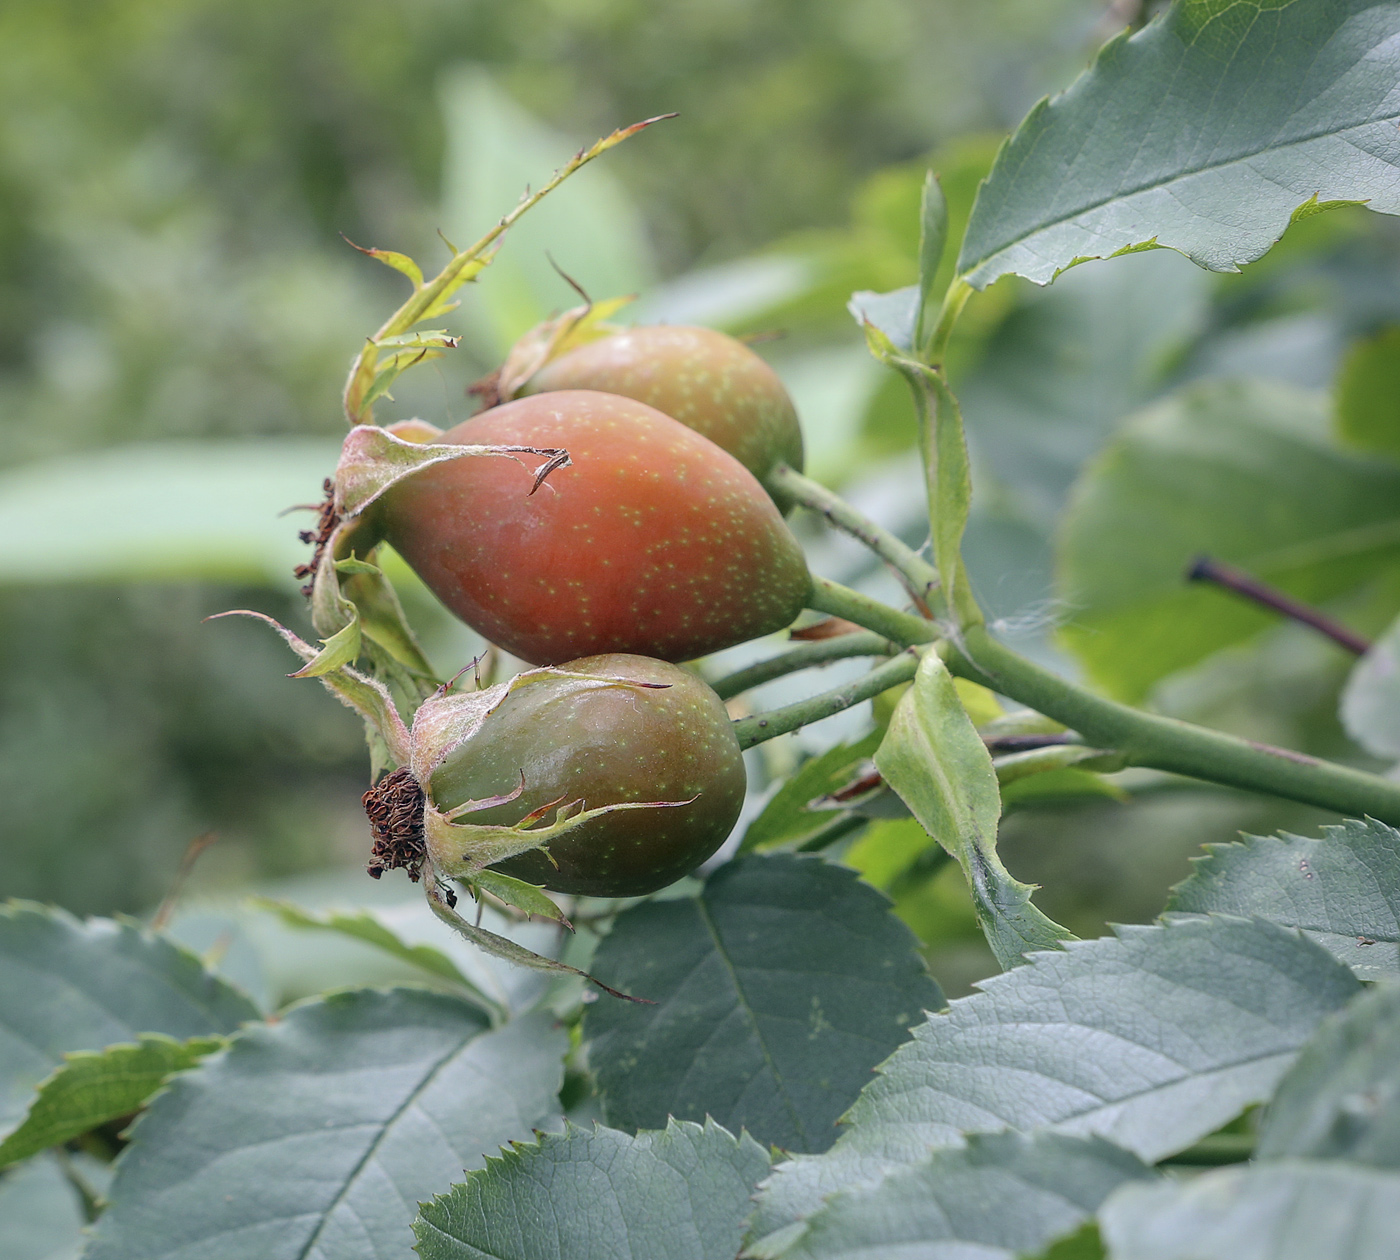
{"x":372,"y":460}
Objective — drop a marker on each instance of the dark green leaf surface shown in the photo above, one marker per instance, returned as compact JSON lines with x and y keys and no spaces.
{"x":93,"y":1087}
{"x":1152,"y":1039}
{"x":1371,"y":699}
{"x":1342,"y":890}
{"x":1187,"y":477}
{"x":1002,"y":1195}
{"x":1286,"y":1210}
{"x":1205,"y":133}
{"x":599,"y":1194}
{"x":934,"y":758}
{"x":67,"y":985}
{"x":1341,"y":1100}
{"x":776,"y":992}
{"x":1368,"y":394}
{"x":314,"y":1138}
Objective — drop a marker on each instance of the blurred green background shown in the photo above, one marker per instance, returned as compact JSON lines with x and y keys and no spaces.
{"x":177,"y":310}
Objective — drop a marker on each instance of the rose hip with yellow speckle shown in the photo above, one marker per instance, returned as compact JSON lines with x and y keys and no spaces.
{"x":653,"y":541}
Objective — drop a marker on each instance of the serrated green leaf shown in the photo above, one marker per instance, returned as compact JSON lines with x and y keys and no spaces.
{"x":1204,"y":133}
{"x":786,"y":817}
{"x":1188,"y":477}
{"x":1151,"y":1039}
{"x":362,"y":925}
{"x":776,"y":992}
{"x":1342,"y":890}
{"x":588,"y":1194}
{"x":315,"y":1137}
{"x":934,"y":758}
{"x":1368,"y":394}
{"x":1341,"y":1100}
{"x":1001,"y":1196}
{"x":93,"y":1087}
{"x":1287,"y":1210}
{"x":67,"y":985}
{"x":1370,"y":706}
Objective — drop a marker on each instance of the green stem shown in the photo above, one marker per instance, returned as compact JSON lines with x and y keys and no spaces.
{"x":903,"y":628}
{"x":820,"y":652}
{"x":88,"y":1197}
{"x":953,"y":302}
{"x":918,"y":575}
{"x":1144,"y":739}
{"x":1163,"y":743}
{"x":1216,"y":1151}
{"x":762,"y":726}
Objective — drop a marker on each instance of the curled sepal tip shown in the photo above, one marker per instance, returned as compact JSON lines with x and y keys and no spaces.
{"x":503,"y":947}
{"x":373,"y":459}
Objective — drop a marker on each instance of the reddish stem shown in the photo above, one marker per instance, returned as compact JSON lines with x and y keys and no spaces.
{"x":1205,"y":569}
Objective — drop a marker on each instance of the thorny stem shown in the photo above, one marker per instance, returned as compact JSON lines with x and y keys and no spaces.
{"x":1163,"y":743}
{"x":1205,"y":569}
{"x":761,"y":726}
{"x":1144,"y":739}
{"x":917,"y":574}
{"x":805,"y":656}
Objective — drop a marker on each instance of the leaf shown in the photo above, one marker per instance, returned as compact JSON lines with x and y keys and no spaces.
{"x":316,"y":1136}
{"x":1001,"y":1196}
{"x":587,"y":1194}
{"x":1371,"y":699}
{"x":1343,"y":890}
{"x":894,"y":315}
{"x":1368,"y":394}
{"x":786,"y":817}
{"x":1188,"y":477}
{"x":41,"y":1216}
{"x":934,"y":758}
{"x":67,"y":985}
{"x":93,"y":1087}
{"x":1207,"y":133}
{"x":362,"y":925}
{"x":1341,"y":1099}
{"x":1289,"y":1210}
{"x":1151,"y":1039}
{"x":777,"y":990}
{"x":162,"y":510}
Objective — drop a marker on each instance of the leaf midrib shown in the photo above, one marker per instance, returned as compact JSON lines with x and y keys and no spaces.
{"x":751,"y":1016}
{"x":353,"y":1175}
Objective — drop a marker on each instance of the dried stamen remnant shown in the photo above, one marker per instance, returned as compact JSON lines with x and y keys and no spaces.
{"x":394,"y":806}
{"x":320,"y":536}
